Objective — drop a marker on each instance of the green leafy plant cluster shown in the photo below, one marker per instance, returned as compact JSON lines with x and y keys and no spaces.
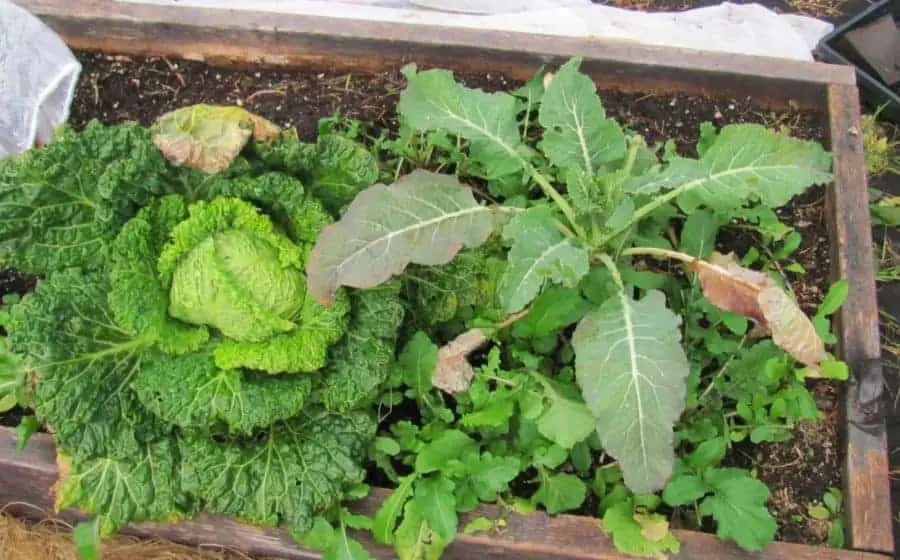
{"x":523,"y":295}
{"x":170,"y":345}
{"x":608,"y":372}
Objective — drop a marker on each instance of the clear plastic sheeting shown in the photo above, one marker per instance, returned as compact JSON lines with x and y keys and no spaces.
{"x":731,"y":28}
{"x":38,"y":74}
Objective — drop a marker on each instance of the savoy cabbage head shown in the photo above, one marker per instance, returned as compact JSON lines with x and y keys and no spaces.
{"x":180,"y":363}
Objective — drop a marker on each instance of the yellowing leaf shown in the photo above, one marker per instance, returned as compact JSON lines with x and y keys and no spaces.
{"x":208,"y":137}
{"x":729,"y":286}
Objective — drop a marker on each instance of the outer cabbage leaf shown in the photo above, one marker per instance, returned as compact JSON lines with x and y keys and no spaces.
{"x":294,"y":472}
{"x":466,"y":285}
{"x":280,"y":196}
{"x":301,"y":350}
{"x":632,"y":372}
{"x":65,"y":332}
{"x":144,"y":486}
{"x":138,"y":300}
{"x":208,"y":137}
{"x":191,"y":392}
{"x":62,"y":205}
{"x":229,"y":268}
{"x":342,"y":168}
{"x":286,"y":152}
{"x":360,"y":363}
{"x":424,"y":218}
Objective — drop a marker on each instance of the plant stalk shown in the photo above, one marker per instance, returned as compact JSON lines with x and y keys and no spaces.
{"x":660,"y":253}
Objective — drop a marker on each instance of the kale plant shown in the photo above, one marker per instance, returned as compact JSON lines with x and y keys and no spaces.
{"x":580,"y":207}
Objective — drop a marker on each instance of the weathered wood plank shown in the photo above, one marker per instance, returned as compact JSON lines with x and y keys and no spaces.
{"x":222,"y":36}
{"x":28,"y":478}
{"x":866,"y":477}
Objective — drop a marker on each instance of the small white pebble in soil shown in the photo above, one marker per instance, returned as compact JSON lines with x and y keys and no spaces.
{"x":320,"y":76}
{"x":116,"y":105}
{"x":679,"y":124}
{"x":731,"y":107}
{"x":718,"y":114}
{"x":278,"y":107}
{"x":488,"y":76}
{"x":218,"y":77}
{"x":673,"y":102}
{"x":239,"y":102}
{"x":257,"y":75}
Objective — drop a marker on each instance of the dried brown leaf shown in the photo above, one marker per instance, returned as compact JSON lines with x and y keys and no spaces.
{"x":731,"y":287}
{"x":208,"y":137}
{"x":454,"y":373}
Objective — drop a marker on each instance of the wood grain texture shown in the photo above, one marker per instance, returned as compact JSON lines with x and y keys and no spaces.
{"x":26,"y":482}
{"x":866,"y":478}
{"x":220,"y":36}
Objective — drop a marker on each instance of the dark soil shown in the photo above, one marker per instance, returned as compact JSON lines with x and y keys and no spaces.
{"x":117,"y":89}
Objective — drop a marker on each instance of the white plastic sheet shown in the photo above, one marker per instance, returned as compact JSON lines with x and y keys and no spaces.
{"x":732,"y":28}
{"x":38,"y":74}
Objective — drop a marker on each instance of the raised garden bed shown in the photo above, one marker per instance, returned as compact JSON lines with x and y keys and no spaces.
{"x":638,"y":86}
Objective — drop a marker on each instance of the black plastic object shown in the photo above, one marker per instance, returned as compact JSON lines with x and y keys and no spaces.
{"x":873,"y":91}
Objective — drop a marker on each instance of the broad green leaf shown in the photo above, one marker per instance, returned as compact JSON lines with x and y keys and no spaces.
{"x":208,"y":137}
{"x":836,"y":296}
{"x":191,"y":392}
{"x":490,"y":475}
{"x":494,"y":415}
{"x":434,"y":100}
{"x":551,"y":456}
{"x":684,"y":489}
{"x":836,"y":534}
{"x":478,"y":525}
{"x":561,"y":492}
{"x":555,"y":308}
{"x":632,"y":372}
{"x":12,"y":378}
{"x":388,"y":515}
{"x":564,"y":422}
{"x":738,"y":505}
{"x":293,"y":472}
{"x":342,"y":168}
{"x":415,"y":539}
{"x":586,"y":196}
{"x":28,"y":426}
{"x":708,"y":453}
{"x":576,"y":130}
{"x":745,"y":162}
{"x":818,"y":511}
{"x":345,"y":548}
{"x":641,"y":536}
{"x":539,"y":254}
{"x":438,"y":505}
{"x":62,"y":205}
{"x":450,"y":444}
{"x":424,"y":218}
{"x":320,"y":537}
{"x":141,"y":487}
{"x":418,"y":361}
{"x":86,"y":536}
{"x":698,"y":235}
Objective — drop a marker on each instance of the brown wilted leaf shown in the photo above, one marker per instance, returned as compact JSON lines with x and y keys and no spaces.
{"x":453,"y":373}
{"x":731,"y":287}
{"x":208,"y":137}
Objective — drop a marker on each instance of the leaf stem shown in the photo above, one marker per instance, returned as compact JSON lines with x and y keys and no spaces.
{"x":721,"y":371}
{"x":613,"y":270}
{"x":657,"y":202}
{"x":554,"y":195}
{"x":661,"y":253}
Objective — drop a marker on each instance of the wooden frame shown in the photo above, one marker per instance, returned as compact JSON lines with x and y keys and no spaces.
{"x":220,"y":36}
